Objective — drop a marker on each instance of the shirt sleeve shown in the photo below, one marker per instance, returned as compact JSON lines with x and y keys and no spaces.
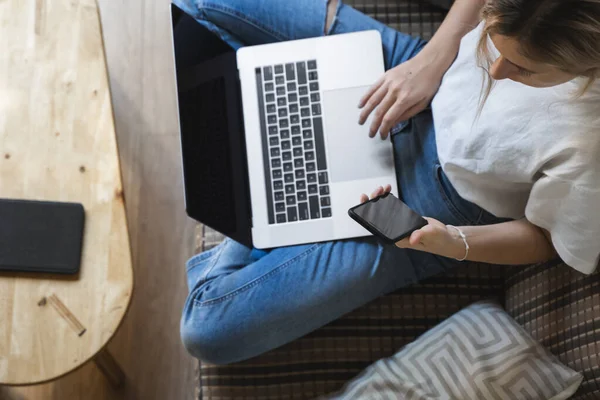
{"x":571,"y":213}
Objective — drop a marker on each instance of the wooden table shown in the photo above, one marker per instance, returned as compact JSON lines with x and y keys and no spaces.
{"x":57,"y":142}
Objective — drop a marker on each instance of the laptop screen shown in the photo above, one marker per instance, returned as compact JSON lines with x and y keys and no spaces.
{"x":205,"y":69}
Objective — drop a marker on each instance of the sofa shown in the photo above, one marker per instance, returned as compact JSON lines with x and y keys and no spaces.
{"x":558,"y":306}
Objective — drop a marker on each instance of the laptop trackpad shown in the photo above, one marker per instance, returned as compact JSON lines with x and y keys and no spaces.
{"x":352,"y":154}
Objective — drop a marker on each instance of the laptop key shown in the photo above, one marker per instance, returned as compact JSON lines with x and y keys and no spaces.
{"x":272,"y":119}
{"x":303,"y":211}
{"x":268,"y":73}
{"x":279,"y":69}
{"x":297,"y":141}
{"x":306,"y":123}
{"x":273,"y":140}
{"x":290,"y":200}
{"x":301,"y":70}
{"x":314,"y":207}
{"x":279,"y":196}
{"x":299,"y":173}
{"x":275,"y":152}
{"x":325,"y":201}
{"x":297,"y":151}
{"x":269,"y":87}
{"x":308,"y":145}
{"x":290,"y":71}
{"x":291,"y":87}
{"x":273,"y":130}
{"x":303,"y":101}
{"x":324,"y":190}
{"x":285,"y":145}
{"x":312,"y":189}
{"x":271,"y":108}
{"x":309,"y":156}
{"x":280,"y":207}
{"x":310,"y":166}
{"x":279,"y":80}
{"x":311,"y":178}
{"x":314,"y":97}
{"x":295,"y":130}
{"x":305,"y":112}
{"x":314,"y":86}
{"x":293,"y":97}
{"x":284,"y":134}
{"x":288,"y":178}
{"x":280,"y":91}
{"x":270,"y":98}
{"x":293,"y":108}
{"x":303,"y":90}
{"x":302,"y":196}
{"x":276,"y":163}
{"x":313,"y":76}
{"x":288,"y":167}
{"x":323,"y":178}
{"x":295,"y":119}
{"x":281,"y":218}
{"x":312,"y":64}
{"x":298,"y":163}
{"x":281,"y":101}
{"x":300,"y":185}
{"x":284,"y":123}
{"x":289,"y":189}
{"x":278,"y":185}
{"x":282,"y":112}
{"x":292,"y":214}
{"x":316,"y":109}
{"x":326,"y":212}
{"x":319,"y":143}
{"x":286,"y":155}
{"x":307,"y":134}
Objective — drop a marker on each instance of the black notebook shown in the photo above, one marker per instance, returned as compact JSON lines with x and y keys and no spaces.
{"x":39,"y":236}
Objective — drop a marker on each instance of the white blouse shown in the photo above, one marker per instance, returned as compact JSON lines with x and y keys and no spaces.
{"x":532,"y":152}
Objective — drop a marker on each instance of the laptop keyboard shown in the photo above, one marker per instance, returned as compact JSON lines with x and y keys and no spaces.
{"x":293,"y":142}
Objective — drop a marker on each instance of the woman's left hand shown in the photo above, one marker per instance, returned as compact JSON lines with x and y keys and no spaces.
{"x":435,"y":237}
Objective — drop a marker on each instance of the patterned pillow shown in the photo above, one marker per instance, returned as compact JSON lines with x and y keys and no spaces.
{"x":478,"y":353}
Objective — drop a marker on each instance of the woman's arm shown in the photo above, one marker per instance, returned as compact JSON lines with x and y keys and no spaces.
{"x":406,"y":89}
{"x":509,"y":243}
{"x":462,"y":18}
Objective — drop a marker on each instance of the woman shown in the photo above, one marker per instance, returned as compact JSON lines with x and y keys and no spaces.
{"x":506,"y":175}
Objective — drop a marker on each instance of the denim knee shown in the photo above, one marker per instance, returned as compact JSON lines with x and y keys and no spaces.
{"x":206,"y":339}
{"x":205,"y":343}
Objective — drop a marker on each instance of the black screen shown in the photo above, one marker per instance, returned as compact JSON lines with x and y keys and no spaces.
{"x":212,"y":139}
{"x":389,"y":216}
{"x":206,"y":161}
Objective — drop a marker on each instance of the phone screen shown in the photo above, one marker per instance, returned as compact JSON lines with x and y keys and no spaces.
{"x":389,"y":216}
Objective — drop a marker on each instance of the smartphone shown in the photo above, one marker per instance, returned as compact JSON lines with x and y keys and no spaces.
{"x":387,"y":217}
{"x":40,"y":236}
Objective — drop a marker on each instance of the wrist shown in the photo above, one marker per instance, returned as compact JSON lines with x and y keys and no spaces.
{"x":460,"y":247}
{"x":438,"y":57}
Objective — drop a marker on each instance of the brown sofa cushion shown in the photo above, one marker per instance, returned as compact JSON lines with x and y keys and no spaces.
{"x":560,"y":308}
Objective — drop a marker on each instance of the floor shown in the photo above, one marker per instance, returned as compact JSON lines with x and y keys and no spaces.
{"x":147,"y":346}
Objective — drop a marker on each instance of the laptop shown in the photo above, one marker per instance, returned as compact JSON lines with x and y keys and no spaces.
{"x":272,"y":151}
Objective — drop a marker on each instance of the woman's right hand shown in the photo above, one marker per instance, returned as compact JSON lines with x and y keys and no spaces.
{"x":402,"y":92}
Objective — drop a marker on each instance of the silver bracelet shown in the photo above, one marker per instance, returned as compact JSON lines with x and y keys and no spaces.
{"x":464,"y":239}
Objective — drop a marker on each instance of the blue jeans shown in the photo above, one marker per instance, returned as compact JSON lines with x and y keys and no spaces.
{"x":245,"y":301}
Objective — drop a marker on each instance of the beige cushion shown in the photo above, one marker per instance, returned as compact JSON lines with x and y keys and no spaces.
{"x":478,"y":353}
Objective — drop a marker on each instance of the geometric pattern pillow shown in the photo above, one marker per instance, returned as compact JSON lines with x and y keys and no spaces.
{"x":478,"y":353}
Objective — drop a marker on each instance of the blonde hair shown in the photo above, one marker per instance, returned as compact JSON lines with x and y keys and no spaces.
{"x":561,"y":33}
